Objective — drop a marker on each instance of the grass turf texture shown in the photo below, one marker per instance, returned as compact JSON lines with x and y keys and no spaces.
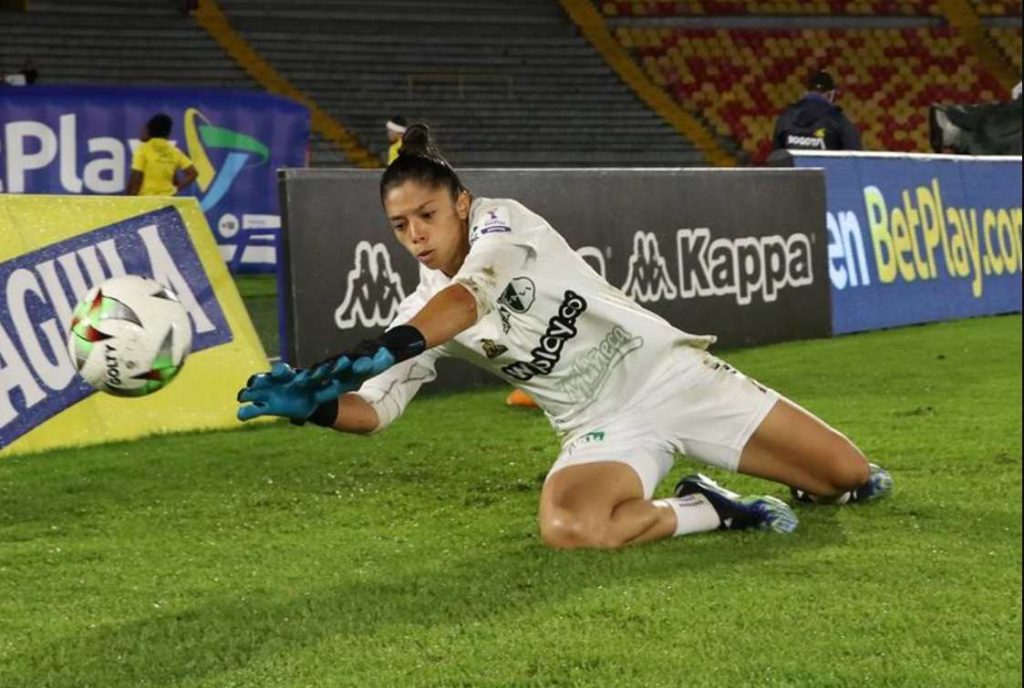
{"x":279,"y":556}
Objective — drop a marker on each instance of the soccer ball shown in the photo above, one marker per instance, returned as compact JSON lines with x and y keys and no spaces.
{"x":129,"y":336}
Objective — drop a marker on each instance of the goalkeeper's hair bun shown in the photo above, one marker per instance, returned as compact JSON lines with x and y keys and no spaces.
{"x":417,"y":140}
{"x":420,"y":160}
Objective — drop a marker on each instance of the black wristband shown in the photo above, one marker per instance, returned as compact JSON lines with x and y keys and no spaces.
{"x":404,"y":341}
{"x":325,"y":414}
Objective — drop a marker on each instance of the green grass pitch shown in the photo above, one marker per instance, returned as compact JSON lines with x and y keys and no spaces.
{"x":282,"y":556}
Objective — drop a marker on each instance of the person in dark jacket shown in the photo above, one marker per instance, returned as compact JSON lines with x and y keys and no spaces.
{"x":815,"y":122}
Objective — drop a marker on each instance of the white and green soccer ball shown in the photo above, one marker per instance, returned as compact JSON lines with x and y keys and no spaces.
{"x":129,"y":336}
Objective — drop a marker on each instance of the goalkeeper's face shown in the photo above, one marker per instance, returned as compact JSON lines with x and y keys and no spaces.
{"x":431,"y":224}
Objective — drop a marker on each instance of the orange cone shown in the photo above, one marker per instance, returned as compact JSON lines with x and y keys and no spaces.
{"x":518,"y":397}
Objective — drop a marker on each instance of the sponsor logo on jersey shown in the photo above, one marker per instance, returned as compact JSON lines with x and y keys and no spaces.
{"x":584,"y":440}
{"x":647,"y":278}
{"x":592,"y":370}
{"x":374,"y":289}
{"x":506,"y":316}
{"x":518,"y":294}
{"x":492,"y":349}
{"x":494,"y":221}
{"x":561,"y":328}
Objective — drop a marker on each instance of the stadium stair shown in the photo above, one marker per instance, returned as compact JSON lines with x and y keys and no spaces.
{"x":961,"y":15}
{"x":502,"y":82}
{"x":112,"y":42}
{"x":592,"y":25}
{"x":213,"y":20}
{"x":136,"y":42}
{"x":1009,"y":42}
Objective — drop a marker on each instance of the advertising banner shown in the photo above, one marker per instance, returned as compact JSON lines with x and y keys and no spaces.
{"x":53,"y":249}
{"x":735,"y":253}
{"x":79,"y":140}
{"x":916,"y":238}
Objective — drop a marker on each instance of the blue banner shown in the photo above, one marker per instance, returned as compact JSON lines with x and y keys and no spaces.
{"x":79,"y":140}
{"x":917,"y":238}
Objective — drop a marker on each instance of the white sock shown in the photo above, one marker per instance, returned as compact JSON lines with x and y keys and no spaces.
{"x":694,"y":513}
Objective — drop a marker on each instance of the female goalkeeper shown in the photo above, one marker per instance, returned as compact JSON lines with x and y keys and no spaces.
{"x":624,"y":389}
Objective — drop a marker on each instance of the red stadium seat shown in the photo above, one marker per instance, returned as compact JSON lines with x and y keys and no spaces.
{"x":739,"y":79}
{"x":669,"y":8}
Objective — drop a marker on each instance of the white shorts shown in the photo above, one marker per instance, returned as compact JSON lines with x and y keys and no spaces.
{"x":696,"y":405}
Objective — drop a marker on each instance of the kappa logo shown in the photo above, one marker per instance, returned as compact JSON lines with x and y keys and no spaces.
{"x":374,"y":289}
{"x":742,"y":267}
{"x":647,"y":278}
{"x":519,"y":294}
{"x":492,"y":349}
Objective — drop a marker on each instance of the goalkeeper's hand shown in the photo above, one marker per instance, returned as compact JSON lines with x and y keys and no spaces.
{"x":370,"y":357}
{"x":288,"y":393}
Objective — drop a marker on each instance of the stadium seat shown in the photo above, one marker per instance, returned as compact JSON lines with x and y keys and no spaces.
{"x":1009,"y":43}
{"x":739,"y":79}
{"x":668,"y":8}
{"x":997,"y":9}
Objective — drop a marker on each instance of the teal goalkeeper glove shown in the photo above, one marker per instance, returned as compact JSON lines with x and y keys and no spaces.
{"x":371,"y":357}
{"x":289,"y":393}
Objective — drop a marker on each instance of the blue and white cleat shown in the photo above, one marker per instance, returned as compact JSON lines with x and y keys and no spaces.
{"x":879,"y":485}
{"x":738,"y":513}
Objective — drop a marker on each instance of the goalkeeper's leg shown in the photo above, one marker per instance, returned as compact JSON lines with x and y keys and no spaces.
{"x":793,"y":447}
{"x":607,"y":504}
{"x":599,"y":505}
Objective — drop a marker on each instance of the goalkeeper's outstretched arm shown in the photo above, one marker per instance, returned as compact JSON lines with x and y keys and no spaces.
{"x":446,"y":314}
{"x":355,"y":415}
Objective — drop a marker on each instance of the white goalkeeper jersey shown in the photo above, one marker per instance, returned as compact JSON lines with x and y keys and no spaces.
{"x":546,"y":323}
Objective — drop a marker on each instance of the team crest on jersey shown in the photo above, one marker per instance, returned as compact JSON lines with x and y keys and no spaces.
{"x":493,"y":221}
{"x":518,"y":294}
{"x":492,"y":349}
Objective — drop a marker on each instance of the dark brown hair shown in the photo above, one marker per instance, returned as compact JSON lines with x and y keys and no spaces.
{"x":420,"y":160}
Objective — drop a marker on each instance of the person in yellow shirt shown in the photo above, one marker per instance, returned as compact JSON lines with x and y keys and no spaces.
{"x":157,"y":162}
{"x":395,"y":127}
